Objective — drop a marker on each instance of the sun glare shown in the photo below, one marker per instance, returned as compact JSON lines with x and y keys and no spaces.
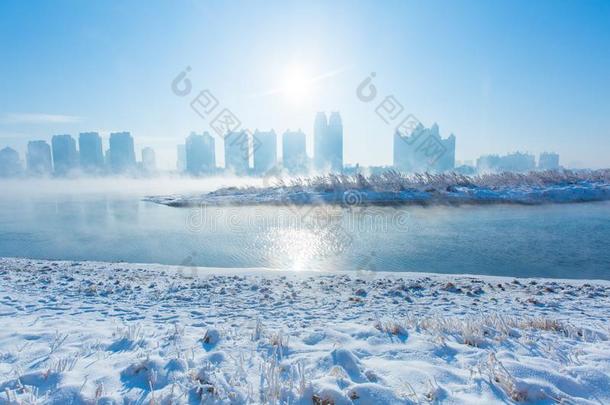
{"x":296,"y":84}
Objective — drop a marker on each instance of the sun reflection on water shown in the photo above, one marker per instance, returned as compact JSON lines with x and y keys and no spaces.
{"x":295,"y":249}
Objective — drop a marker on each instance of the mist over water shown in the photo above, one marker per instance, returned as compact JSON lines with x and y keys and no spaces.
{"x":106,"y":219}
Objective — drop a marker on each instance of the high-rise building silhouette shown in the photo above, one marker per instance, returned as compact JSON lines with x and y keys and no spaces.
{"x":38,"y":158}
{"x":149,"y":163}
{"x":548,"y":161}
{"x":513,"y":162}
{"x":488,"y":163}
{"x":65,"y":156}
{"x":200,"y":153}
{"x":319,"y":141}
{"x":518,"y":162}
{"x":424,"y":150}
{"x":335,"y":142}
{"x":237,"y":152}
{"x":10,"y":165}
{"x":264,"y":151}
{"x":91,"y":152}
{"x":122,"y":154}
{"x":294,"y":151}
{"x":328,"y":142}
{"x":181,"y":158}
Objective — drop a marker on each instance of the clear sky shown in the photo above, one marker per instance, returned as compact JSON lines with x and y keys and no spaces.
{"x":501,"y":75}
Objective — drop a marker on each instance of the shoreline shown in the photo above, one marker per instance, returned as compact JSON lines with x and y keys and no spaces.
{"x":203,"y":271}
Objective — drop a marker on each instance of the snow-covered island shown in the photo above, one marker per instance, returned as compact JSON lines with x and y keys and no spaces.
{"x":394,"y":188}
{"x":115,"y":333}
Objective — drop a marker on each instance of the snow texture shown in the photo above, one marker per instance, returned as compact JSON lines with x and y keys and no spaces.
{"x":115,"y":333}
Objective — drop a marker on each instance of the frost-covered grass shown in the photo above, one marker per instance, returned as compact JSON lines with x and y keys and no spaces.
{"x":394,"y":187}
{"x":105,"y":333}
{"x":392,"y":180}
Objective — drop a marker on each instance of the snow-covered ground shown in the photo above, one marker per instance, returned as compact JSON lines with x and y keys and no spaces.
{"x":91,"y":332}
{"x":391,"y":188}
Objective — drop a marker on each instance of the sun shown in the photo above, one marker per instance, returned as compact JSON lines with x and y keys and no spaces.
{"x":296,"y":83}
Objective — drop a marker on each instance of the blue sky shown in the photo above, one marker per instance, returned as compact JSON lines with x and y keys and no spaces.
{"x":502,"y":76}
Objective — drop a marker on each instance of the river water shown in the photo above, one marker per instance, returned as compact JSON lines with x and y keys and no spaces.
{"x":107,"y":220}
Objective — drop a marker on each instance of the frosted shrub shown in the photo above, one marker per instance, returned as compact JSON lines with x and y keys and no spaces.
{"x":499,"y":376}
{"x":392,"y":180}
{"x":63,"y":364}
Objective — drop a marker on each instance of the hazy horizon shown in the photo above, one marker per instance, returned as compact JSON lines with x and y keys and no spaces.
{"x":502,"y":77}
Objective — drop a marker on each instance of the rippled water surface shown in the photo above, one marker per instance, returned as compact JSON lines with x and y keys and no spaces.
{"x":103,"y":223}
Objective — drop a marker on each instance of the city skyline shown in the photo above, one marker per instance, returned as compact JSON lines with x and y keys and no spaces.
{"x":501,"y":87}
{"x":416,"y":149}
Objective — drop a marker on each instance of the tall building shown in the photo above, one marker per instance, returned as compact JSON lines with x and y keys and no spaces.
{"x":488,"y":163}
{"x":200,"y":153}
{"x":335,"y":142}
{"x":65,"y":156}
{"x":9,"y":163}
{"x":107,"y":160}
{"x":513,"y":162}
{"x":424,"y":150}
{"x":518,"y":162}
{"x":319,"y":142}
{"x":264,"y":151}
{"x":294,"y":151}
{"x":181,"y":158}
{"x":39,"y":158}
{"x":548,"y":161}
{"x":328,"y":142}
{"x":149,"y":163}
{"x":122,"y":154}
{"x":237,"y":152}
{"x":90,"y":151}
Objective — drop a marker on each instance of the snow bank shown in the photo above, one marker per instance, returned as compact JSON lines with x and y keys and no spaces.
{"x":396,"y":188}
{"x":114,"y":333}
